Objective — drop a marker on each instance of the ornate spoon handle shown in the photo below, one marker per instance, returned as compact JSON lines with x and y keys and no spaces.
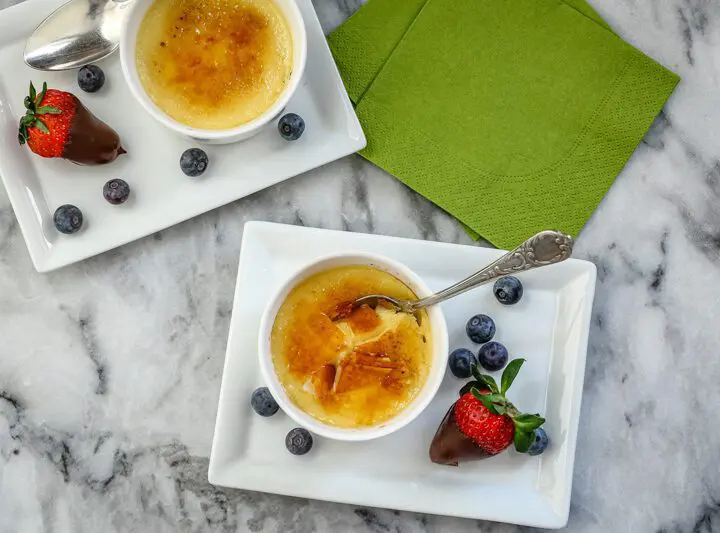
{"x":545,"y":248}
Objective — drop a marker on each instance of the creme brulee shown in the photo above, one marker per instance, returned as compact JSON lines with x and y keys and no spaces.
{"x":214,"y":64}
{"x":356,"y":369}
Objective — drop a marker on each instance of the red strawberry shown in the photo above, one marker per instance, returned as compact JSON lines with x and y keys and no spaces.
{"x":483,"y":423}
{"x":491,"y":432}
{"x":57,"y":124}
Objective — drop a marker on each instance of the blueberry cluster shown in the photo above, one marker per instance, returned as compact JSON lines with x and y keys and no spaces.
{"x":481,"y":329}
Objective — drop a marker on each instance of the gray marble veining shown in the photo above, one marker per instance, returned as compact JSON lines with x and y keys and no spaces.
{"x":110,"y":369}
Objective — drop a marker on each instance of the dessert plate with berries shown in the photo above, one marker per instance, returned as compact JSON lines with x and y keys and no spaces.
{"x":497,"y":442}
{"x":87,"y":169}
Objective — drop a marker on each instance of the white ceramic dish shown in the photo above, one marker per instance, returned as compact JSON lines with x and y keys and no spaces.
{"x":549,"y":327}
{"x":128,"y":39}
{"x":162,"y":195}
{"x":438,"y":329}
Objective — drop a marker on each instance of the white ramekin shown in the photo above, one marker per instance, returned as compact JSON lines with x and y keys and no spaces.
{"x":128,"y":40}
{"x":439,"y":335}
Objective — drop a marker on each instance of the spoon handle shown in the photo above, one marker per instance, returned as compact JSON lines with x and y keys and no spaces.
{"x":545,"y":248}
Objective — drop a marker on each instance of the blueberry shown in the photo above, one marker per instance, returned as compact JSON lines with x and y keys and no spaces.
{"x":116,"y":191}
{"x":480,"y":329}
{"x":263,"y":403}
{"x":460,"y":362}
{"x":91,"y":78}
{"x":493,"y":356}
{"x":508,"y":290}
{"x":291,"y":127}
{"x":68,"y":219}
{"x":299,"y":441}
{"x":540,"y":442}
{"x":194,"y":162}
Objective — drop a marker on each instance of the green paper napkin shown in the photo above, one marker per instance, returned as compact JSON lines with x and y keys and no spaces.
{"x":363,"y":44}
{"x":512,"y":116}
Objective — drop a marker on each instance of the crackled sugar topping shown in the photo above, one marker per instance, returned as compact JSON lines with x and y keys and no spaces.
{"x":352,"y":369}
{"x":214,"y":64}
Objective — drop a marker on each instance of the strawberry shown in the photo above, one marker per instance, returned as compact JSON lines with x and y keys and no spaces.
{"x":491,"y":432}
{"x":483,"y":422}
{"x":57,"y":124}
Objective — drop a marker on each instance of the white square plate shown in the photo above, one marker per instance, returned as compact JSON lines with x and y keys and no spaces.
{"x":162,"y":194}
{"x":549,"y":327}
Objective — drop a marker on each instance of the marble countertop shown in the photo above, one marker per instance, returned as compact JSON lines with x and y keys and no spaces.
{"x":110,"y":369}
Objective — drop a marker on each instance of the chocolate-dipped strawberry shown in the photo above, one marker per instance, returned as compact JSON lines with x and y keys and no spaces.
{"x":483,"y":423}
{"x":57,"y":124}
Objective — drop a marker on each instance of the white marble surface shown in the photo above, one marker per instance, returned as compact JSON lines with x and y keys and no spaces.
{"x":110,"y":370}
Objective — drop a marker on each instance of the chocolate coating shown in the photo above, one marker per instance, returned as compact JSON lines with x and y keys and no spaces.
{"x":91,"y":141}
{"x":450,"y":446}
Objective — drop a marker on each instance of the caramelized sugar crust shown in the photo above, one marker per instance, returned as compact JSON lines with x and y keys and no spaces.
{"x":214,"y":64}
{"x":352,"y":368}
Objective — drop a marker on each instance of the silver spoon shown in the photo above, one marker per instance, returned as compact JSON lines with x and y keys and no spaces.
{"x":77,"y":33}
{"x":545,"y":248}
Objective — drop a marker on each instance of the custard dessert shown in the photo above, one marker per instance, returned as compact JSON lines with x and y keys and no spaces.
{"x":214,"y":64}
{"x":350,"y":368}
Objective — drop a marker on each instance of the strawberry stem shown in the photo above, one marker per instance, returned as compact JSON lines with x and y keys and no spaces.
{"x":35,"y":109}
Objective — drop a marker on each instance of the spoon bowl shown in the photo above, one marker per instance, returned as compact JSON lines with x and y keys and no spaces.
{"x":77,"y":33}
{"x":372,"y":300}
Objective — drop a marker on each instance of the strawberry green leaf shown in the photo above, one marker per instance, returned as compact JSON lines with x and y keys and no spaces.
{"x":501,"y":410}
{"x":497,"y":398}
{"x":39,"y":124}
{"x":47,"y":110}
{"x":528,"y":423}
{"x":490,"y":382}
{"x":512,"y":412}
{"x":42,"y":94}
{"x":23,"y":134}
{"x":510,"y":373}
{"x":523,"y":440}
{"x":483,"y":378}
{"x":470,"y":385}
{"x":33,"y":93}
{"x":479,"y":395}
{"x":489,"y":405}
